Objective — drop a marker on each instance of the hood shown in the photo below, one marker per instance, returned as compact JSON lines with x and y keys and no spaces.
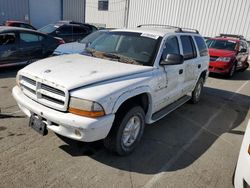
{"x":221,"y":53}
{"x":70,"y":48}
{"x":73,"y":71}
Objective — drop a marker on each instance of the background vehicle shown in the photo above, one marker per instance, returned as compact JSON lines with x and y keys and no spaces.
{"x":242,"y":175}
{"x":228,"y":53}
{"x":130,"y":77}
{"x":79,"y":46}
{"x":69,"y":31}
{"x":13,"y":23}
{"x":21,"y":46}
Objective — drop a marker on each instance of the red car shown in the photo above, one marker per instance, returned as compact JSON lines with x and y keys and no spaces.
{"x":228,"y":53}
{"x":13,"y":23}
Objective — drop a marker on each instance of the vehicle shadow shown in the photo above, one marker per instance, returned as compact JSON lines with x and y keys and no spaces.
{"x":237,"y":76}
{"x":177,"y":140}
{"x":9,"y":72}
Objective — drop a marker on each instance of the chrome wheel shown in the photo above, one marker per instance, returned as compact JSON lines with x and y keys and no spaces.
{"x":131,"y":131}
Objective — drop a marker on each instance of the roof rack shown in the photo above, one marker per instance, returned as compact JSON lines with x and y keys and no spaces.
{"x":232,"y":36}
{"x":178,"y":29}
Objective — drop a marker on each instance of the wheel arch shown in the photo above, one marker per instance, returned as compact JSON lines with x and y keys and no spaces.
{"x":140,"y":96}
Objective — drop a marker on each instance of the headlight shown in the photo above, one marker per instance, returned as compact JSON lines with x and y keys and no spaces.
{"x":224,"y":59}
{"x":85,"y":108}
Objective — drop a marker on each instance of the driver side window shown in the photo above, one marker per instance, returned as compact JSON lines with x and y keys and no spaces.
{"x":171,"y":47}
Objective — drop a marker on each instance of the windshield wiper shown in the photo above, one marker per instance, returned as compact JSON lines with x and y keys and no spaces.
{"x":91,"y":51}
{"x":121,"y":58}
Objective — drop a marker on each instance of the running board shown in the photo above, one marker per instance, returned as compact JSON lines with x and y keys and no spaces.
{"x":163,"y":112}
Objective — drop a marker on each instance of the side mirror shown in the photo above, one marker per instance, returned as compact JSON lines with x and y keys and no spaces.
{"x":58,"y":32}
{"x":172,"y":59}
{"x":243,"y":50}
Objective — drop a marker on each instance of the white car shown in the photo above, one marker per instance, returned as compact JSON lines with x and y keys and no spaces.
{"x":129,"y":78}
{"x":242,"y":173}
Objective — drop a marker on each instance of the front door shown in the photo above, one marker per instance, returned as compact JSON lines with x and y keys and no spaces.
{"x":170,"y":78}
{"x":8,"y":48}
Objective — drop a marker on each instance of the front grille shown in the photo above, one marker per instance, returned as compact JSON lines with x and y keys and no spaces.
{"x":213,"y":58}
{"x":53,"y":90}
{"x":44,"y":93}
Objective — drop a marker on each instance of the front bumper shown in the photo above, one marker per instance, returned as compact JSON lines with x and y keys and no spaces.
{"x":64,"y":123}
{"x":219,"y":67}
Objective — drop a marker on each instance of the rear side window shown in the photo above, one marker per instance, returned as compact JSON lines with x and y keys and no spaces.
{"x":189,"y":51}
{"x":25,"y":26}
{"x":201,"y":46}
{"x":7,"y":38}
{"x":80,"y":30}
{"x":30,"y":38}
{"x":171,"y":47}
{"x":66,"y":30}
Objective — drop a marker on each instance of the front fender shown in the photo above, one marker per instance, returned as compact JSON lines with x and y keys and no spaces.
{"x":132,"y":93}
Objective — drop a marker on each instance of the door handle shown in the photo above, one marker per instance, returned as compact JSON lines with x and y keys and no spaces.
{"x":180,"y":71}
{"x":199,"y":66}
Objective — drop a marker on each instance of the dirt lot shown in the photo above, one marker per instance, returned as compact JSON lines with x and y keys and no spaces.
{"x":195,"y":146}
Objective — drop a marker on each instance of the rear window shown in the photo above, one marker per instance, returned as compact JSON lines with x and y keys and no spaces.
{"x":201,"y":46}
{"x":189,"y":51}
{"x":7,"y":38}
{"x":221,"y":44}
{"x":30,"y":38}
{"x":48,"y":29}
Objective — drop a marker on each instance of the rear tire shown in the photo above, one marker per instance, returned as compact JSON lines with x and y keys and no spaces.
{"x":126,"y":131}
{"x":196,"y":94}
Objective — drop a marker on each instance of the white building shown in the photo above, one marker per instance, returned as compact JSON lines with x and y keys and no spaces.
{"x":210,"y":17}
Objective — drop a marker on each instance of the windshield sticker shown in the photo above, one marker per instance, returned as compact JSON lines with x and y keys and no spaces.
{"x":231,"y":41}
{"x":150,"y":36}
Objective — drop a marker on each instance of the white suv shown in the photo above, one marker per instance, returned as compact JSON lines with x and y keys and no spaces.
{"x":127,"y":78}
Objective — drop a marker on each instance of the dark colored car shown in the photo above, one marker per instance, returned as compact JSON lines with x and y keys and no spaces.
{"x":228,"y":53}
{"x":69,"y":31}
{"x":13,"y":23}
{"x":22,"y":46}
{"x":79,"y":46}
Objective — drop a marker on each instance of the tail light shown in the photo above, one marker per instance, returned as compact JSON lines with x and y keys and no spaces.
{"x":61,"y":41}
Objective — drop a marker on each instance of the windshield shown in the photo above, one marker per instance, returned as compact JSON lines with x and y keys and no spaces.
{"x":221,"y":44}
{"x":136,"y":47}
{"x":91,"y":37}
{"x":48,"y":29}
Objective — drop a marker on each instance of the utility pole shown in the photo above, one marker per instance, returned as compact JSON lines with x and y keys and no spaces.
{"x":126,"y":13}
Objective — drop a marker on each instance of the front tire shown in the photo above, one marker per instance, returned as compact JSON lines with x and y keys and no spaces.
{"x":126,"y":131}
{"x":196,"y":94}
{"x":232,"y":71}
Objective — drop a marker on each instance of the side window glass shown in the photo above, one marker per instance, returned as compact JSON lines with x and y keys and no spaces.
{"x":25,"y":26}
{"x":7,"y":39}
{"x":66,"y":30}
{"x":80,"y":30}
{"x":29,"y":38}
{"x":171,"y":47}
{"x":201,"y":46}
{"x":189,"y":51}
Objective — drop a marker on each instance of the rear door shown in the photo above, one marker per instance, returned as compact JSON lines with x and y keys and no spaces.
{"x":191,"y":62}
{"x":30,"y":45}
{"x":8,"y":48}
